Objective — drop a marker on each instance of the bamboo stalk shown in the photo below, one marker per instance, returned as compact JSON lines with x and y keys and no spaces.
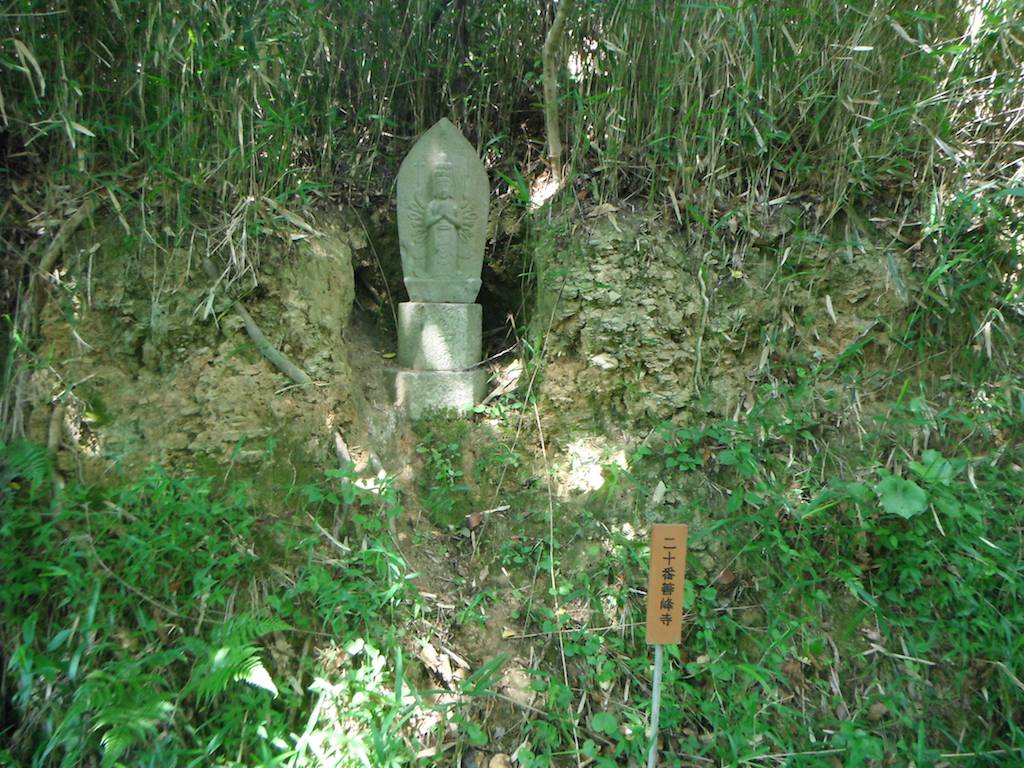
{"x":551,"y":43}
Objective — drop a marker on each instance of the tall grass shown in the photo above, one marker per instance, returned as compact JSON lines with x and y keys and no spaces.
{"x":189,"y":107}
{"x":741,"y":100}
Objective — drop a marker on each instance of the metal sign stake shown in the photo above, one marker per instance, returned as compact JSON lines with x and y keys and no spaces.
{"x":652,"y":755}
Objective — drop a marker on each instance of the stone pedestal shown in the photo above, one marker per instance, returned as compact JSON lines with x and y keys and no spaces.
{"x":439,"y":337}
{"x":428,"y":289}
{"x":438,"y":346}
{"x":418,"y":392}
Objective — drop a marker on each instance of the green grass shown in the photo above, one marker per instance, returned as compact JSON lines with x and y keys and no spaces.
{"x":164,"y":622}
{"x":443,"y":491}
{"x":848,"y":598}
{"x":184,"y":114}
{"x":852,"y":594}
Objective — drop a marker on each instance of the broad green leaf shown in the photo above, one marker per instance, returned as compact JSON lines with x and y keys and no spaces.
{"x":605,"y":722}
{"x":728,"y":458}
{"x":946,"y":503}
{"x":735,"y":502}
{"x":901,"y":497}
{"x":58,"y":640}
{"x":28,"y":629}
{"x":477,"y":736}
{"x":1009,"y":192}
{"x":933,"y":468}
{"x":859,"y":492}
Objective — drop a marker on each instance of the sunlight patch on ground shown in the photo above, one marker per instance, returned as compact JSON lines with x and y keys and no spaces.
{"x":582,"y":468}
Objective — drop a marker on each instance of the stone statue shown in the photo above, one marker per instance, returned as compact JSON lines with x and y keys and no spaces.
{"x":442,"y":221}
{"x":442,"y":217}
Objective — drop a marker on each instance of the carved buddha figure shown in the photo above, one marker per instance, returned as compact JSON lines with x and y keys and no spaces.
{"x":442,"y":217}
{"x":442,"y":221}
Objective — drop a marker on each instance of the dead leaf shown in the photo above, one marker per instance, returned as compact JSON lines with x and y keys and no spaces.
{"x":25,"y":54}
{"x":726,"y":577}
{"x":444,"y":669}
{"x":794,"y":671}
{"x":601,"y":210}
{"x":829,"y":309}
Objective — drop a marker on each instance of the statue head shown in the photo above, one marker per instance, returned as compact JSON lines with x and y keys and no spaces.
{"x":444,"y":178}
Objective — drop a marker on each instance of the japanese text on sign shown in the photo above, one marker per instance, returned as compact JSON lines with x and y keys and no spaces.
{"x":665,"y":584}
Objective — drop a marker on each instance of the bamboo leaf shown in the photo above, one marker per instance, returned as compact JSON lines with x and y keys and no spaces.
{"x":25,"y":54}
{"x":81,"y":129}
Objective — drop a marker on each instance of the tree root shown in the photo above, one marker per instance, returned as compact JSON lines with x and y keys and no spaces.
{"x":49,"y":260}
{"x":276,"y":357}
{"x":13,"y":407}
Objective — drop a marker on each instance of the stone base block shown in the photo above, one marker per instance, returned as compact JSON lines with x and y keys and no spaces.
{"x":418,"y":392}
{"x":439,"y":337}
{"x":454,"y":290}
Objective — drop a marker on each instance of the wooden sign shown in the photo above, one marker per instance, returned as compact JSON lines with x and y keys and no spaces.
{"x":665,"y":584}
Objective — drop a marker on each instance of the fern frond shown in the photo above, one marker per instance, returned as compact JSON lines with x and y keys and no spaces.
{"x":24,"y":461}
{"x":246,"y":628}
{"x":256,"y":675}
{"x":234,"y":657}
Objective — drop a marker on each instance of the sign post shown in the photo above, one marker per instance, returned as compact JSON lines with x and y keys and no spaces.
{"x":664,"y":608}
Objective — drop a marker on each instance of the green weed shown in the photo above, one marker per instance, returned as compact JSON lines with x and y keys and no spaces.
{"x":163,"y":621}
{"x":837,"y":590}
{"x":444,"y":493}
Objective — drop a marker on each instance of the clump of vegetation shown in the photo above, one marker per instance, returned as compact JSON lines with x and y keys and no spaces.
{"x":445,"y":496}
{"x":216,"y":121}
{"x":841,"y":585}
{"x":164,"y":620}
